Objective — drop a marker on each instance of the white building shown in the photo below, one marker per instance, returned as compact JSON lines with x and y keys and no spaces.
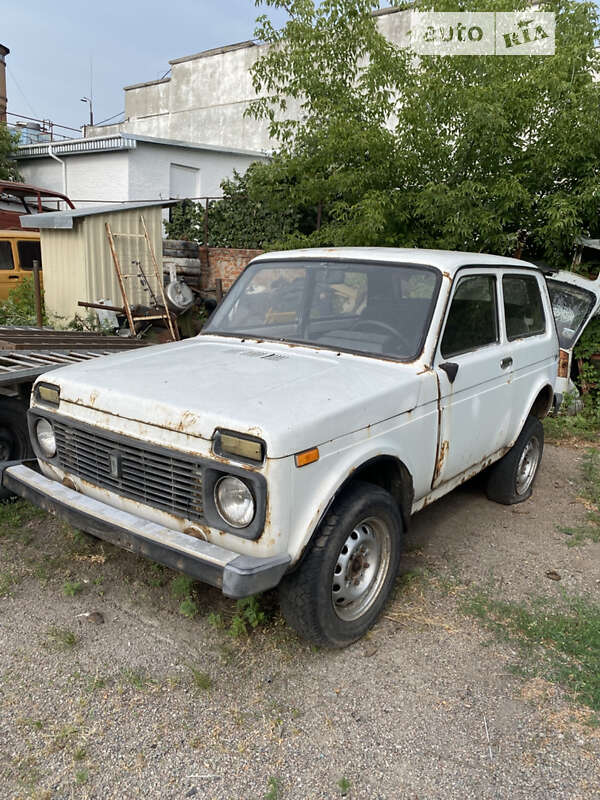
{"x":122,"y":167}
{"x":205,"y":97}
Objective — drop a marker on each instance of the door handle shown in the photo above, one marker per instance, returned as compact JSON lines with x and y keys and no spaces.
{"x":506,"y":362}
{"x":13,"y":277}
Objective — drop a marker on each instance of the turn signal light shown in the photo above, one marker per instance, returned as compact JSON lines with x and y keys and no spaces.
{"x":307,"y":457}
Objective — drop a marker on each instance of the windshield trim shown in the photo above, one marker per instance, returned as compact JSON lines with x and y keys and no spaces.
{"x":313,"y":345}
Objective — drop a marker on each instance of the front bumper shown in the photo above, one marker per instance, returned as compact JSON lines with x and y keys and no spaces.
{"x":235,"y":575}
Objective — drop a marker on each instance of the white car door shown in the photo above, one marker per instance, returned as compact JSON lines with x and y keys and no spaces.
{"x":473,"y":366}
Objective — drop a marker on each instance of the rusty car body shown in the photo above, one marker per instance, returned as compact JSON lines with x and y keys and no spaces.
{"x":333,"y":393}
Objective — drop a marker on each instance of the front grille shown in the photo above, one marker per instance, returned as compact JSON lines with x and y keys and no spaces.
{"x":158,"y":479}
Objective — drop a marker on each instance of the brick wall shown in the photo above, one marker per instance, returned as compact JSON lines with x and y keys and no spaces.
{"x":201,"y":266}
{"x":223,"y":262}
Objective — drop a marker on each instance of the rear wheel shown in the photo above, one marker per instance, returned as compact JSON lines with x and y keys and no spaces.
{"x":14,"y":434}
{"x":511,"y":479}
{"x":341,"y":587}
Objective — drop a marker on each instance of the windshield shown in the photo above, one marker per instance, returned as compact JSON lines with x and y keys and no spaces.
{"x":571,"y":306}
{"x":381,"y":310}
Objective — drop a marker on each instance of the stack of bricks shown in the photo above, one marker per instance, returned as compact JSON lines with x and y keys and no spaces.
{"x":201,"y":266}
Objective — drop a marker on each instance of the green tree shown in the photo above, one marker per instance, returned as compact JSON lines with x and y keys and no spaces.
{"x":8,"y":166}
{"x":475,"y":153}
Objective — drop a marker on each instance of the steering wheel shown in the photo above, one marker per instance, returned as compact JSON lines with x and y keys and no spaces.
{"x":377,"y":323}
{"x":389,"y":328}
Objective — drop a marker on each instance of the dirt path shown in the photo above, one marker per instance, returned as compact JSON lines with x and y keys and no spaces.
{"x":115,"y":710}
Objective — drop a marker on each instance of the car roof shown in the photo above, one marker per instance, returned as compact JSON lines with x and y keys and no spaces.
{"x":445,"y":260}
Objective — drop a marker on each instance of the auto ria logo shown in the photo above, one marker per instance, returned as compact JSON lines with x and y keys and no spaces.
{"x":515,"y":33}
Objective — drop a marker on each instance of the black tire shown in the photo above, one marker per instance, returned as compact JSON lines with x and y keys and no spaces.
{"x":14,"y":435}
{"x":506,"y":482}
{"x":365,"y":521}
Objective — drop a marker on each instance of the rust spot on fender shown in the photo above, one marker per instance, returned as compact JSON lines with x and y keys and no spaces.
{"x":197,"y":531}
{"x":66,"y":481}
{"x":187,"y":420}
{"x":563,"y":364}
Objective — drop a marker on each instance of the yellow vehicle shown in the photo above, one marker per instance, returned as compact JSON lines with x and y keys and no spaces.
{"x":18,"y":250}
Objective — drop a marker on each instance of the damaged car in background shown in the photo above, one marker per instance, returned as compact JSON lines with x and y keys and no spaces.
{"x":332,"y":394}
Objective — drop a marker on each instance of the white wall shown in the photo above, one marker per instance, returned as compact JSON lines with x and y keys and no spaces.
{"x":150,"y":167}
{"x":90,"y":177}
{"x":205,"y":98}
{"x":142,"y":173}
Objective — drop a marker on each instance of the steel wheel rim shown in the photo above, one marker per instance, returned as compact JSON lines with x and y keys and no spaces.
{"x":361,"y":569}
{"x":527,"y":466}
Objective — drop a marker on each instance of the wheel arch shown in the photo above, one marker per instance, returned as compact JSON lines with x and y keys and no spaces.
{"x":542,"y":403}
{"x":386,"y":471}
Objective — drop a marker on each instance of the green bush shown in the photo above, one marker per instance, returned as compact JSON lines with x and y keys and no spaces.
{"x":19,"y":307}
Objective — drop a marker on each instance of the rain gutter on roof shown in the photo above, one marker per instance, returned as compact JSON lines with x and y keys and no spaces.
{"x":120,"y":141}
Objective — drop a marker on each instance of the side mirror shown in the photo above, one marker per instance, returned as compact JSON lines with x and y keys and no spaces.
{"x":450,"y":368}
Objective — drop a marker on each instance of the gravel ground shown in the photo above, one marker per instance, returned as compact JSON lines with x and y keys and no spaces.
{"x":424,"y":707}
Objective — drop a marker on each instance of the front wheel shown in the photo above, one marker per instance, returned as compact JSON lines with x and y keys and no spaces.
{"x":511,"y":479}
{"x":341,"y":587}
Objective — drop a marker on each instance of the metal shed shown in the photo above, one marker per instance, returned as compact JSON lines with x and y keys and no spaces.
{"x":77,"y":260}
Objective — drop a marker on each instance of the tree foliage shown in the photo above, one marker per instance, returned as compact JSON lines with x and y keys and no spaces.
{"x":376,"y":147}
{"x":8,"y":166}
{"x":244,"y":218}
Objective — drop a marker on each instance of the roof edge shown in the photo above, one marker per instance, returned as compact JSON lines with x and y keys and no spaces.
{"x":215,"y":51}
{"x":145,"y":83}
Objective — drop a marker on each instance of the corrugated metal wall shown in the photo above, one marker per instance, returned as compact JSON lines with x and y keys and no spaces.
{"x":63,"y":260}
{"x":78,"y":264}
{"x":101,"y":277}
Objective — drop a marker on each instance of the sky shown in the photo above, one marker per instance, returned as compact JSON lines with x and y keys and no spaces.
{"x":128,"y":41}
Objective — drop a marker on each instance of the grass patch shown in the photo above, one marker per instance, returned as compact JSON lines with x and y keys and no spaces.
{"x":182,"y":589}
{"x":273,"y":789}
{"x":72,"y":588}
{"x":585,"y":425}
{"x":8,"y":581}
{"x":62,"y":638}
{"x":590,"y":494}
{"x":201,"y":680}
{"x":135,"y":678}
{"x":560,"y":645}
{"x":249,"y":614}
{"x":14,"y":516}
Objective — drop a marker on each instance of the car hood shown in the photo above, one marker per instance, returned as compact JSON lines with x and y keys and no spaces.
{"x":293,"y":397}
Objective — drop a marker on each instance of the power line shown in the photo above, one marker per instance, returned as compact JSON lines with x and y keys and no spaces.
{"x":16,"y":82}
{"x":108,"y":119}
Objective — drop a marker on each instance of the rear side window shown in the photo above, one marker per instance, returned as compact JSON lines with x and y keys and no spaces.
{"x":523,"y":307}
{"x":473,"y":317}
{"x":6,"y":259}
{"x":28,"y":252}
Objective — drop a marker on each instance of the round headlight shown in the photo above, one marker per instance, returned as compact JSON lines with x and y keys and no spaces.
{"x":234,"y":501}
{"x":45,"y":437}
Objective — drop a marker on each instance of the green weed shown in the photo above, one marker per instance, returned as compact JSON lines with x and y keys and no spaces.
{"x":248,"y":613}
{"x":14,"y":516}
{"x":62,"y":638}
{"x":344,"y":786}
{"x":8,"y":581}
{"x":70,"y":589}
{"x":182,"y":589}
{"x":274,"y":789}
{"x":135,"y":678}
{"x":200,"y":679}
{"x":81,"y":776}
{"x":560,"y":645}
